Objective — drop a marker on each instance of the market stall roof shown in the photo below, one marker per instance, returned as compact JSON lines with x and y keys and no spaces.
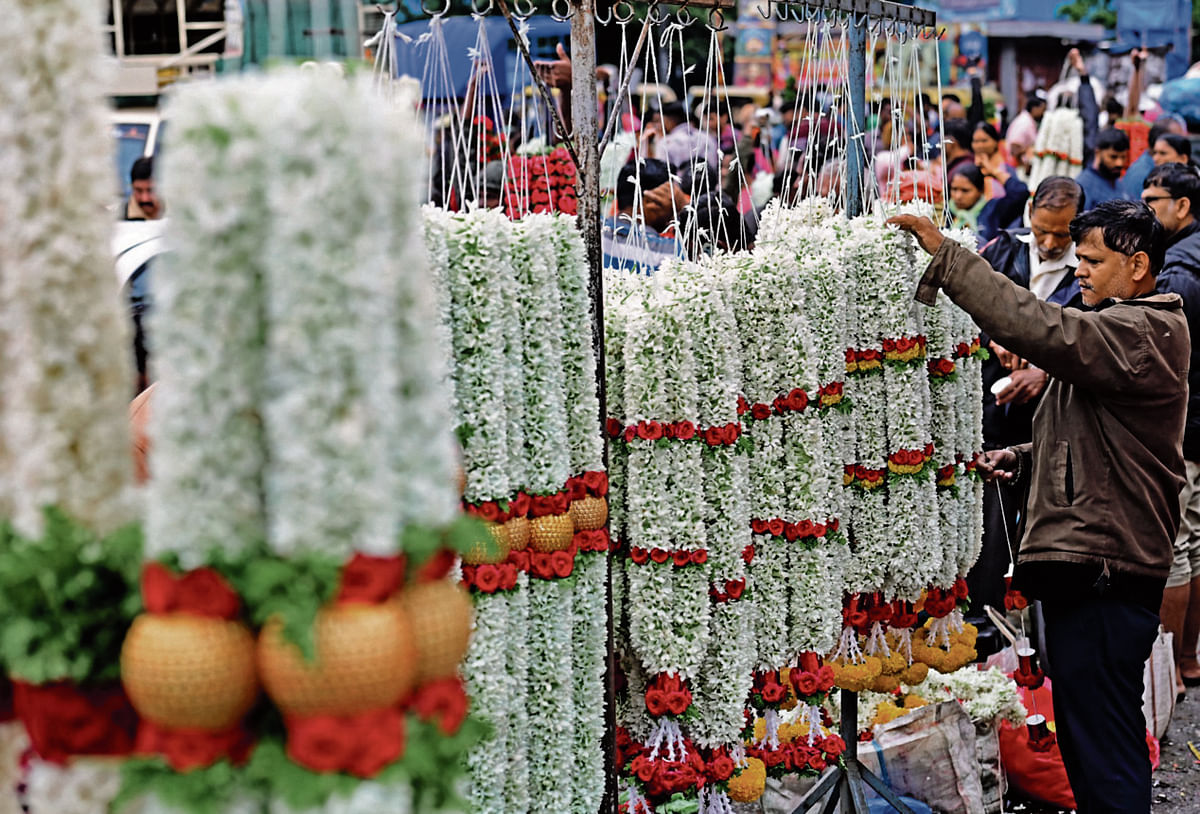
{"x":462,"y":34}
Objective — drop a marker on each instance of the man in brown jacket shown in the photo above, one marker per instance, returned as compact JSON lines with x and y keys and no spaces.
{"x":1106,"y":467}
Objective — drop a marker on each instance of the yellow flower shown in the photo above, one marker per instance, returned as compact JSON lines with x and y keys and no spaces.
{"x":915,"y":701}
{"x":856,"y":677}
{"x":886,"y":682}
{"x":915,"y":673}
{"x":748,"y":784}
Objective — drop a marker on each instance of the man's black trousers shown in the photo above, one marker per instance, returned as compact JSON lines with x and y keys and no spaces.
{"x":1098,"y":648}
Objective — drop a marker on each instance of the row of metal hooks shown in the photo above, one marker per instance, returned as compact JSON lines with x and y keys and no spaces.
{"x":624,"y":11}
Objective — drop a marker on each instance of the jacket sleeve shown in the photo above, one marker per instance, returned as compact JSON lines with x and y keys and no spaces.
{"x":1082,"y":348}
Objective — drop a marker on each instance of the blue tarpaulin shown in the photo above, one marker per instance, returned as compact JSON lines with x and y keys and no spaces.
{"x":1155,"y":23}
{"x":462,"y":36}
{"x":1182,"y":96}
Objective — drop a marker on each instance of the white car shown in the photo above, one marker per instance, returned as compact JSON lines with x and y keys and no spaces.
{"x":136,"y":134}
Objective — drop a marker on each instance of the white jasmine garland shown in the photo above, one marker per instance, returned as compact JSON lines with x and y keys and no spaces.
{"x":207,"y":442}
{"x":986,"y":695}
{"x":579,"y":357}
{"x":480,"y":301}
{"x":329,"y":385}
{"x":720,"y":691}
{"x":546,"y":452}
{"x":815,"y":607}
{"x":622,"y":295}
{"x":84,"y":786}
{"x":589,"y":650}
{"x":510,"y":290}
{"x":551,"y":744}
{"x":489,"y":685}
{"x":68,"y":372}
{"x":367,"y":798}
{"x":13,"y":744}
{"x":516,"y":782}
{"x":769,"y":581}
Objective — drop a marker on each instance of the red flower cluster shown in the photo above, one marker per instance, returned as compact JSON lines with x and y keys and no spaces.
{"x":667,"y":694}
{"x":830,"y":394}
{"x":798,"y":757}
{"x":361,"y":745}
{"x":903,"y":615}
{"x":941,"y":368}
{"x":659,"y":556}
{"x":627,"y":747}
{"x":202,"y":592}
{"x":811,"y":679}
{"x":963,"y":349}
{"x":854,"y":613}
{"x":64,"y":720}
{"x":864,"y":475}
{"x":805,"y":529}
{"x":557,"y":565}
{"x":589,"y":483}
{"x":768,"y":690}
{"x":187,"y":749}
{"x":911,"y":457}
{"x":661,"y":778}
{"x":547,"y":505}
{"x":864,"y":361}
{"x":939,"y":603}
{"x":748,"y":554}
{"x":488,"y":578}
{"x":732,"y":589}
{"x":795,"y":401}
{"x":904,"y":346}
{"x":370,"y":580}
{"x":1013,"y":599}
{"x":591,"y":541}
{"x":443,"y":701}
{"x":726,"y":435}
{"x":541,"y":183}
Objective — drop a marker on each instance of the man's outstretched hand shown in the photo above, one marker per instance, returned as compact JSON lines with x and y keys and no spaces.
{"x":922,"y":228}
{"x":997,"y":464}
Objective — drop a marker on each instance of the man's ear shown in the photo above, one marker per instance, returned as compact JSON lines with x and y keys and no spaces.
{"x":1141,"y":268}
{"x":1184,"y":207}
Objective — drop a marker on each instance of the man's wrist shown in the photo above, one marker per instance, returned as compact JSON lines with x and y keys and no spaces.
{"x":1019,"y":465}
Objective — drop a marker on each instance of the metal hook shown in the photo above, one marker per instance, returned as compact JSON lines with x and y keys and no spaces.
{"x":444,"y":10}
{"x":716,"y":20}
{"x":656,"y":15}
{"x":623,"y":18}
{"x":475,"y":8}
{"x":682,"y":17}
{"x":603,"y":20}
{"x":554,"y":12}
{"x":523,"y":11}
{"x":768,"y":5}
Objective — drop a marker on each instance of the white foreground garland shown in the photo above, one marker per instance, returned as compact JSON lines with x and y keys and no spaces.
{"x":68,"y":371}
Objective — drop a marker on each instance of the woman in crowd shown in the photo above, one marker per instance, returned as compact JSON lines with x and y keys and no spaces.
{"x":970,"y":208}
{"x":986,"y":144}
{"x":1171,"y":148}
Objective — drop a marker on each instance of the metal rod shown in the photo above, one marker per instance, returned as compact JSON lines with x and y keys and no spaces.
{"x":875,"y":9}
{"x":856,"y":158}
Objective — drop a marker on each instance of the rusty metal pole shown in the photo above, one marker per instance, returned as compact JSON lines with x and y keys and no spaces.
{"x":586,"y":133}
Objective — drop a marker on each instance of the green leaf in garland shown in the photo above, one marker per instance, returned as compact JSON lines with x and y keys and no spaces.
{"x":210,"y":790}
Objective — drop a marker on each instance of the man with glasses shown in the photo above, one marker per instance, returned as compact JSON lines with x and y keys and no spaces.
{"x":1173,"y":192}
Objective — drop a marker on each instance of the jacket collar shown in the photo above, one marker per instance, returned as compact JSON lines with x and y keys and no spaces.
{"x":1161,"y":302}
{"x":1184,"y":233}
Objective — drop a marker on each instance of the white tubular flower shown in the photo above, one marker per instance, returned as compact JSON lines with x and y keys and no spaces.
{"x":579,"y":357}
{"x":86,"y":786}
{"x":489,"y":684}
{"x":589,"y":650}
{"x":551,"y":738}
{"x":520,"y":641}
{"x":67,"y":362}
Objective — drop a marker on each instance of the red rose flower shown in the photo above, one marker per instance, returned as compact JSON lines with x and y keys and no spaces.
{"x":889,"y":345}
{"x":720,"y":768}
{"x":743,"y":406}
{"x":596,"y":483}
{"x":700,"y":556}
{"x":818,"y":530}
{"x":650,"y":430}
{"x":643,"y":768}
{"x":685,"y":430}
{"x":960,"y":588}
{"x":748,"y":554}
{"x":437,"y":566}
{"x":443,"y":701}
{"x":816,"y":762}
{"x":760,"y":411}
{"x":490,"y":511}
{"x":630,"y":434}
{"x":798,"y":400}
{"x":681,"y":558}
{"x":758,"y":526}
{"x":805,"y":527}
{"x":380,"y":742}
{"x":826,"y":677}
{"x":519,"y":506}
{"x":63,"y":720}
{"x":656,"y":702}
{"x":639,"y":555}
{"x":678,"y":701}
{"x":659,"y":555}
{"x":613,"y":427}
{"x":508,"y":576}
{"x":775,"y":527}
{"x":576,"y":490}
{"x":712,"y":436}
{"x":561,"y":502}
{"x":541,"y":565}
{"x":773,"y":692}
{"x":370,"y":580}
{"x":780,"y":405}
{"x":805,"y":683}
{"x":487,"y":578}
{"x":562,"y":563}
{"x":520,"y":559}
{"x":810,"y":662}
{"x":158,"y":588}
{"x":791,"y":531}
{"x":320,"y":743}
{"x":668,"y":430}
{"x":733,"y":431}
{"x":735,"y":587}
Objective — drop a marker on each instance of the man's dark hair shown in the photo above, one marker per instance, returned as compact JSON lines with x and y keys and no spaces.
{"x":960,"y":131}
{"x":950,"y":97}
{"x":142,"y":169}
{"x":1159,"y":129}
{"x":1179,"y":180}
{"x":652,"y":173}
{"x":1034,"y":102}
{"x":674,"y":110}
{"x":1058,"y":192}
{"x":1176,"y":142}
{"x":1127,"y":227}
{"x":1111,"y":138}
{"x":972,"y":174}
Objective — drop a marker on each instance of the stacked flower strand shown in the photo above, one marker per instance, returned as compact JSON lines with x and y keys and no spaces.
{"x":69,"y":570}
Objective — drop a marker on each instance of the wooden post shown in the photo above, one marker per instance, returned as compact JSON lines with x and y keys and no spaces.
{"x":585,"y":133}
